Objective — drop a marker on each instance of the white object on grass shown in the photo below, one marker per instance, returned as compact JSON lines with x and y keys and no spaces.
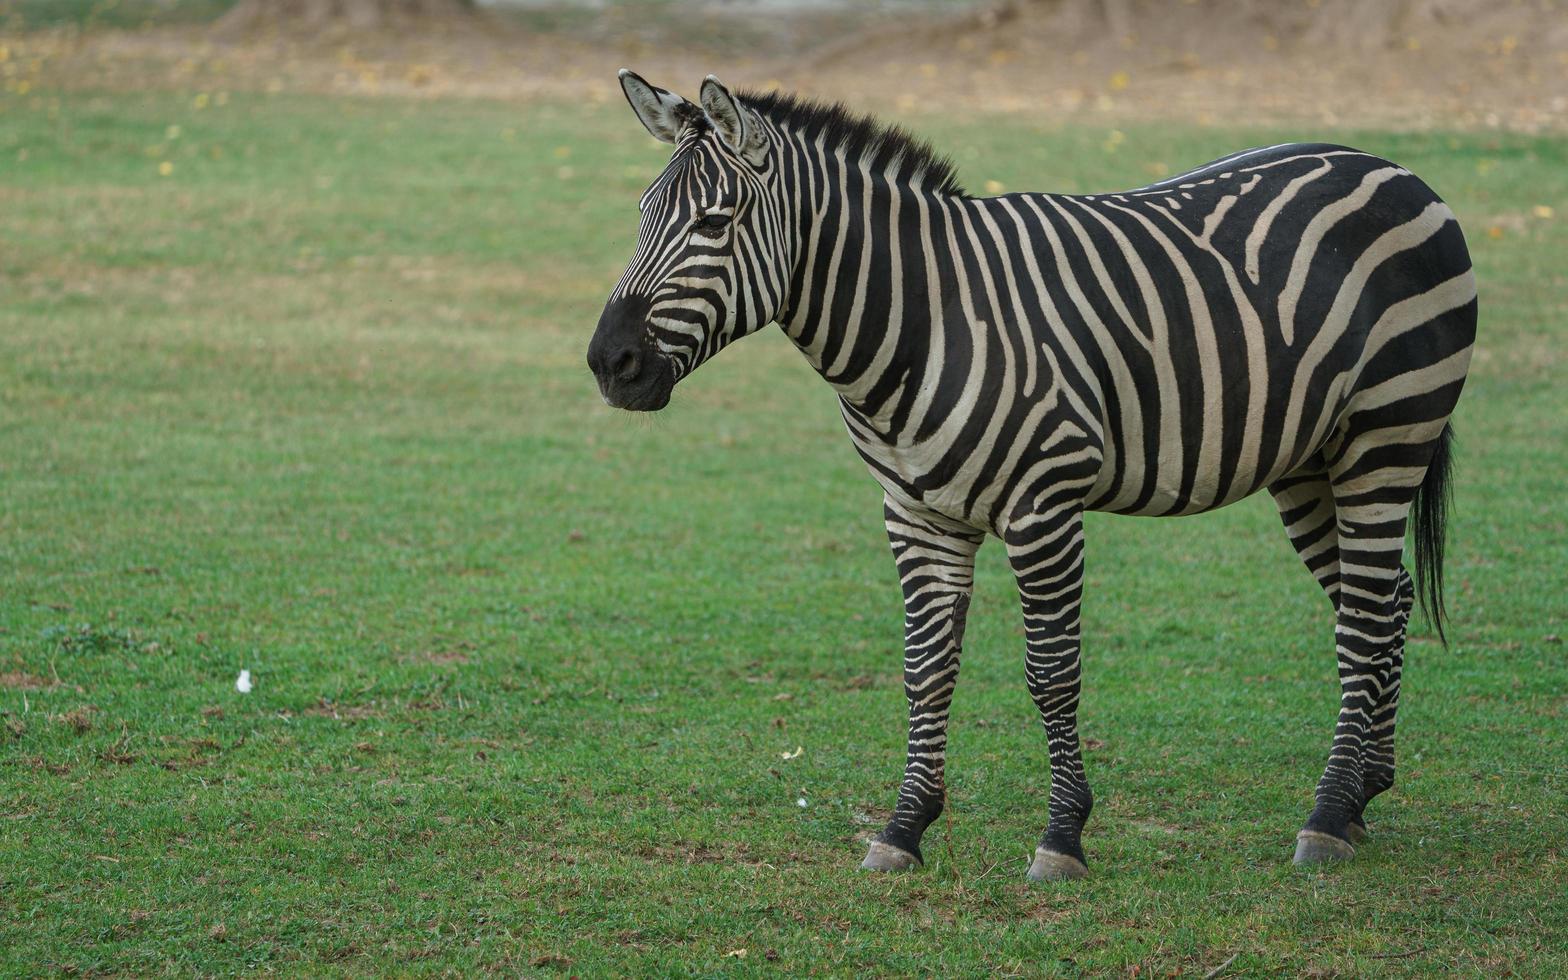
{"x":242,"y":684}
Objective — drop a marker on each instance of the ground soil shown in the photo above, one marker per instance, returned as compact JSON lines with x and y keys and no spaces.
{"x":1404,"y":64}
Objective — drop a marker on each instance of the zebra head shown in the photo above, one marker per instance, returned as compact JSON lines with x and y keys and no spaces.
{"x":710,"y":262}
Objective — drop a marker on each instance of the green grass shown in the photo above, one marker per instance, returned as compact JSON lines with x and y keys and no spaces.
{"x":314,"y":405}
{"x":18,"y":15}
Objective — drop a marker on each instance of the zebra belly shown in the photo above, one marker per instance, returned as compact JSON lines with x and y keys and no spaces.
{"x":1171,"y":498}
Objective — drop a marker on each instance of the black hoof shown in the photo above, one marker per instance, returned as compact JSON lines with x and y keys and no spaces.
{"x":1051,"y":866}
{"x":1316,"y":847}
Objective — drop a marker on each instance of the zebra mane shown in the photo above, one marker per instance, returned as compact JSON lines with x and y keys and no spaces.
{"x":860,"y":137}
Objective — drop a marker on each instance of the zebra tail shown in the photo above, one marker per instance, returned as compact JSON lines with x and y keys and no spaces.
{"x":1430,"y":519}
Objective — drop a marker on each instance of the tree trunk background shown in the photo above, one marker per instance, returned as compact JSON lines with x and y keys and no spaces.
{"x":313,"y":16}
{"x":1356,"y":24}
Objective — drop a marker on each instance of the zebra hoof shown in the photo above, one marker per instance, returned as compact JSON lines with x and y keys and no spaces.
{"x":1051,"y":866}
{"x":886,"y":857}
{"x":1315,"y":847}
{"x":1357,"y":831}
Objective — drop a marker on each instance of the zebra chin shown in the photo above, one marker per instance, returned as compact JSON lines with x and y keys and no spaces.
{"x":640,"y":397}
{"x":648,"y":391}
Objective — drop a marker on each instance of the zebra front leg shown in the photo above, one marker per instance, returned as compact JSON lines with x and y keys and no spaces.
{"x":936,"y":566}
{"x":1046,"y":552}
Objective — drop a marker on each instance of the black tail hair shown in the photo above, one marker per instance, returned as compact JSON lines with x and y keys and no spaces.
{"x":1429,"y":520}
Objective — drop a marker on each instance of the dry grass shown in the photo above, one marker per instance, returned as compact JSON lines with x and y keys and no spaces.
{"x":1476,"y":65}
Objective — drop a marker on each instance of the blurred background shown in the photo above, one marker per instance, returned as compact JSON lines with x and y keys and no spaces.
{"x":1409,"y":63}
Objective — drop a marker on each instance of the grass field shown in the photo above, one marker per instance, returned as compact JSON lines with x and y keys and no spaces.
{"x":17,"y":15}
{"x":297,"y":386}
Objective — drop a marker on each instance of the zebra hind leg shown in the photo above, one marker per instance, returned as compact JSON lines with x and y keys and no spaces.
{"x":1379,"y":761}
{"x":1305,"y":499}
{"x":1372,"y":501}
{"x":1306,"y":506}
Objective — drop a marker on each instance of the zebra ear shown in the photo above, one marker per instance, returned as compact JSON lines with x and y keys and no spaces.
{"x":664,"y":113}
{"x":736,"y":125}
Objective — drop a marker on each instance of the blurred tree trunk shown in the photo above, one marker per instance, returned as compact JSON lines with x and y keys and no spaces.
{"x":1342,"y":23}
{"x":314,"y":15}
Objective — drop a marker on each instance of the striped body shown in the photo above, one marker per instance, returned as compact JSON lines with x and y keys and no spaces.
{"x":1192,"y":341}
{"x":1297,"y":318}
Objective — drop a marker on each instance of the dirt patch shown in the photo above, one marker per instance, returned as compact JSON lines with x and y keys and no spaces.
{"x":454,"y":655}
{"x":689,"y":853}
{"x":40,"y":764}
{"x":197,"y":752}
{"x":1405,"y":64}
{"x":18,"y":680}
{"x":78,"y":720}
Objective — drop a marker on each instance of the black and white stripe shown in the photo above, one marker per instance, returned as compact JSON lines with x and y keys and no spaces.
{"x":1296,"y":318}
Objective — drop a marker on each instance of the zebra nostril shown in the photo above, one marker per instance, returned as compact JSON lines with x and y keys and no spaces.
{"x":627,"y":365}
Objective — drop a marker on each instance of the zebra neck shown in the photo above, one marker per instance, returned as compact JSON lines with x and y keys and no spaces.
{"x":864,"y":281}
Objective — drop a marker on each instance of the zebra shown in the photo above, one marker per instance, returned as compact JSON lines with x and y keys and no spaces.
{"x":1296,"y":318}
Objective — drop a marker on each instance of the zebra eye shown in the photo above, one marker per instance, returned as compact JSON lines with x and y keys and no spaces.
{"x":713,"y":224}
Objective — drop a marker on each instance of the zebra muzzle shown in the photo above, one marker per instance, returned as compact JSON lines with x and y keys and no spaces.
{"x":631,"y":373}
